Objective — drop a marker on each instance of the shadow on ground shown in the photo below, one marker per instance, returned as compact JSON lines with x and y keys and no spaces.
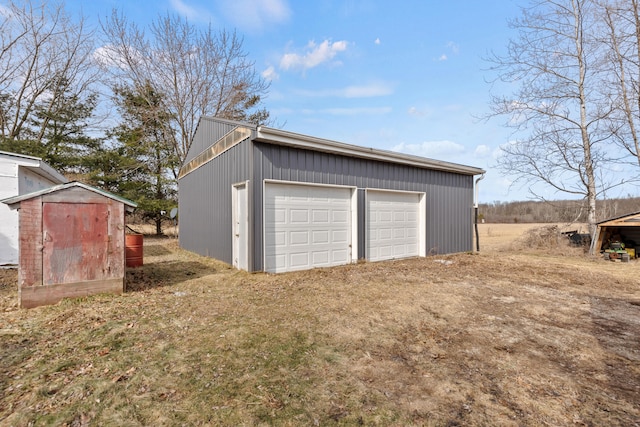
{"x":168,"y":273}
{"x":155,"y":250}
{"x":616,"y":324}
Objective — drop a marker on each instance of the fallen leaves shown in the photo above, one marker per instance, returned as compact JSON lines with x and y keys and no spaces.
{"x":124,"y":376}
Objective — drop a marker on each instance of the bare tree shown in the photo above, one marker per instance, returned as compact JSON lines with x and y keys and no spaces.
{"x":200,"y":73}
{"x":557,"y":110}
{"x":44,"y":56}
{"x":622,"y":20}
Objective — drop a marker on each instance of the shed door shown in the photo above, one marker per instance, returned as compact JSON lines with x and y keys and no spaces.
{"x":306,"y":226}
{"x":75,"y":242}
{"x":394,"y":226}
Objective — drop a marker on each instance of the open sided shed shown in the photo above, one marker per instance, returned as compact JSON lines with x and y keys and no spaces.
{"x":72,"y":243}
{"x":625,"y":228}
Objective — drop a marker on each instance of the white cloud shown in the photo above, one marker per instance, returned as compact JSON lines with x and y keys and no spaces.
{"x":108,"y":56}
{"x":452,"y":48}
{"x":482,"y":151}
{"x":270,"y":74}
{"x":371,"y":90}
{"x":455,"y":48}
{"x":313,"y":56}
{"x":255,"y":15}
{"x":190,"y":12}
{"x":432,"y":149}
{"x":377,"y":41}
{"x":415,"y":112}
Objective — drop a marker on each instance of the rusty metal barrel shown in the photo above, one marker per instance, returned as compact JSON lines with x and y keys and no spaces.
{"x":133,"y":246}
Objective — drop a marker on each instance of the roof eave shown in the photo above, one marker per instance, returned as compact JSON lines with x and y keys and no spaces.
{"x":14,"y":201}
{"x":37,"y":166}
{"x":46,"y":171}
{"x":276,"y":136}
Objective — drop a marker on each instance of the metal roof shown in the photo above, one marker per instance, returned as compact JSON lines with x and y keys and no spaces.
{"x":37,"y":166}
{"x":280,"y":137}
{"x":11,"y":201}
{"x":620,"y":217}
{"x":276,"y":136}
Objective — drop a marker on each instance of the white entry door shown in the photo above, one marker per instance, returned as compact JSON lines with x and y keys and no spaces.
{"x":240,"y":226}
{"x":395,"y":225}
{"x":307,"y":226}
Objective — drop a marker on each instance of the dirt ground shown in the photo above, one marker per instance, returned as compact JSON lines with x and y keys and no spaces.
{"x":507,"y":336}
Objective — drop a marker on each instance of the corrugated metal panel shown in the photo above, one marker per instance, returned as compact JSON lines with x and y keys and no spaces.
{"x":205,"y":203}
{"x":449,"y":196}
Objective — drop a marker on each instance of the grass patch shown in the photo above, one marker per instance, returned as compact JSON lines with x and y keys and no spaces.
{"x":489,"y":339}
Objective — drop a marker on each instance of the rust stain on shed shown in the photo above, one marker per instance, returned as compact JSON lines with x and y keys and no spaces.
{"x":75,"y":242}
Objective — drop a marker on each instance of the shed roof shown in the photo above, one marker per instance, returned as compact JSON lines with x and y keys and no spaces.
{"x":36,"y":165}
{"x":626,"y":220}
{"x":12,"y":201}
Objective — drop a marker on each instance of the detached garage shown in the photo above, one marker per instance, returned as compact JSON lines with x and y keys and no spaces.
{"x":264,"y":199}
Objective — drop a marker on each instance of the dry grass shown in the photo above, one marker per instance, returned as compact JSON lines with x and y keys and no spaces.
{"x":504,"y":337}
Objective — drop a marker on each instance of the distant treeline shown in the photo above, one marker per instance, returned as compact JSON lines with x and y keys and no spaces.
{"x":553,"y":211}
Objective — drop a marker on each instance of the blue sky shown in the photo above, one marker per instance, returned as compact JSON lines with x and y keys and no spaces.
{"x":397,"y":75}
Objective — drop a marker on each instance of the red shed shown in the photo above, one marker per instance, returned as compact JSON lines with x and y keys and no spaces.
{"x":72,"y":243}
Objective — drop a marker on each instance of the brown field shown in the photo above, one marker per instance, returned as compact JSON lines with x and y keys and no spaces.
{"x":512,"y":336}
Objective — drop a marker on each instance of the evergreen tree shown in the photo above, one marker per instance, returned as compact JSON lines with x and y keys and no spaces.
{"x":140,"y":165}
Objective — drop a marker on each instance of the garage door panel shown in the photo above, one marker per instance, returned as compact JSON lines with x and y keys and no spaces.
{"x":299,"y":259}
{"x":280,"y":238}
{"x":382,"y":234}
{"x":340,"y":216}
{"x":279,"y":216}
{"x":299,"y":216}
{"x":317,"y":230}
{"x":299,"y":238}
{"x":337,"y":256}
{"x":392,"y":225}
{"x":320,"y":237}
{"x":320,"y":216}
{"x":320,"y":258}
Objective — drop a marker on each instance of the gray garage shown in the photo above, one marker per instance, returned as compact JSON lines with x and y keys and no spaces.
{"x":264,"y":199}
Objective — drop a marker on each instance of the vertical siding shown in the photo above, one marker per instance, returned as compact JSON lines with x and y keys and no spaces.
{"x":205,"y":205}
{"x":449,"y":196}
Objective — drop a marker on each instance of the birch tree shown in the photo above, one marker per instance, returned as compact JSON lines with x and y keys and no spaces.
{"x":557,"y":110}
{"x":622,"y":40}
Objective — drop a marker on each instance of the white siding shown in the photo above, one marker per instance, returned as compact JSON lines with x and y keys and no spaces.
{"x":15,"y":180}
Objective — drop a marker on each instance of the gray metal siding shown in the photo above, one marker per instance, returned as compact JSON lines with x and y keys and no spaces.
{"x":449,"y":196}
{"x":205,"y":204}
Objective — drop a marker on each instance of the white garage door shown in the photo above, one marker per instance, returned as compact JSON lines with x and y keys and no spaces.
{"x":306,"y":226}
{"x":394,"y":228}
